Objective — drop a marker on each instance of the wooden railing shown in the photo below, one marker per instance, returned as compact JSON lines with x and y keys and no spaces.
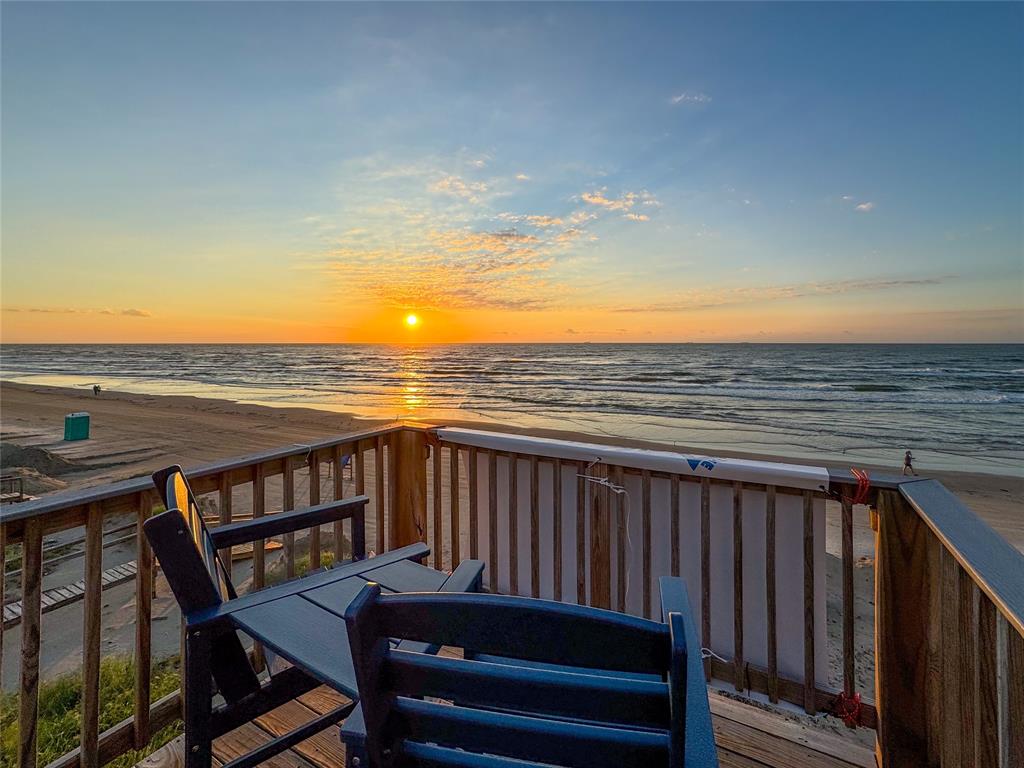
{"x":950,"y":634}
{"x":949,"y":591}
{"x":86,"y":511}
{"x":582,"y":552}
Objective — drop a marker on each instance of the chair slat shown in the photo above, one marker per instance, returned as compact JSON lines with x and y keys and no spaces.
{"x":550,"y":692}
{"x":433,"y":756}
{"x":530,"y":738}
{"x":535,"y":630}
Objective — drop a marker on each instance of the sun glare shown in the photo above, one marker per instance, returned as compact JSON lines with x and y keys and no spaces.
{"x":411,"y":320}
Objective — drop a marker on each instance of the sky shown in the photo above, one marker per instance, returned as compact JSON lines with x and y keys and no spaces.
{"x":540,"y":172}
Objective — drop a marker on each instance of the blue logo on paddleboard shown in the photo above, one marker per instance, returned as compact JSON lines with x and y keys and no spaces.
{"x":708,"y":464}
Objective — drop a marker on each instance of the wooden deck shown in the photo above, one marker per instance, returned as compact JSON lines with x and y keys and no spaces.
{"x":748,"y":737}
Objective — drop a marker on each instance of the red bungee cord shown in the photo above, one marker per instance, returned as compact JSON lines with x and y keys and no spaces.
{"x":863,"y":486}
{"x":847,"y":708}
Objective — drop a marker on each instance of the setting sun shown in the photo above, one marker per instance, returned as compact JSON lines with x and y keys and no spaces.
{"x":411,"y":320}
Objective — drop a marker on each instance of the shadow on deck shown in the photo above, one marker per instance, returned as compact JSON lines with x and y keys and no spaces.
{"x":747,"y":736}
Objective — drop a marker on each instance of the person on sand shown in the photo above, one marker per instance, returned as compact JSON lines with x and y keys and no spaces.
{"x":95,"y":390}
{"x":908,"y":463}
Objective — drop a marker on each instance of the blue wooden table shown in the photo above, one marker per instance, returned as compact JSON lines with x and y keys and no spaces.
{"x":306,"y":626}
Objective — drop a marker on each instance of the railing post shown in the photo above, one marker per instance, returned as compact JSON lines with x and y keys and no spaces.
{"x":409,"y":507}
{"x":905,"y":585}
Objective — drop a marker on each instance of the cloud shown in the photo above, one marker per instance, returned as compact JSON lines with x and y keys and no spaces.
{"x":710,"y":299}
{"x":847,"y":198}
{"x":599,"y":198}
{"x":637,"y":217}
{"x":79,"y":311}
{"x":522,"y":177}
{"x":865,"y":207}
{"x":690,"y":97}
{"x":456,"y":186}
{"x":571,"y":332}
{"x":539,"y":221}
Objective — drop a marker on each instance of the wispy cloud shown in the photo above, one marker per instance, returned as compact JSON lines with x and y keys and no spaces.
{"x":456,"y":186}
{"x":865,"y":207}
{"x":637,"y":217}
{"x":540,"y":221}
{"x":131,"y":312}
{"x":712,"y":298}
{"x":690,"y":97}
{"x":522,"y":177}
{"x":624,"y":202}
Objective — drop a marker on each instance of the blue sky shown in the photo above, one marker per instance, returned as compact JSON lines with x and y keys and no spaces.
{"x":541,"y":172}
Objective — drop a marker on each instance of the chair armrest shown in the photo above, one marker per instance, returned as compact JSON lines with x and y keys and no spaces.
{"x":353,"y":736}
{"x":288,"y":522}
{"x":467,"y":577}
{"x":674,"y":597}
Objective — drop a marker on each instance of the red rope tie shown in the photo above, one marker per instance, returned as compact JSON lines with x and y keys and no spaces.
{"x":847,"y":708}
{"x":863,"y":487}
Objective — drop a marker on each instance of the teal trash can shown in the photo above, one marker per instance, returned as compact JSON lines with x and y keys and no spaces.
{"x":76,"y":426}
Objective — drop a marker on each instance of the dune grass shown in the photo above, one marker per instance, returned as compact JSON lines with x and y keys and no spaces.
{"x":60,"y":711}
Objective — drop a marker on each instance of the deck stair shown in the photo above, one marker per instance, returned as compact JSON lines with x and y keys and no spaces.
{"x":70,"y":593}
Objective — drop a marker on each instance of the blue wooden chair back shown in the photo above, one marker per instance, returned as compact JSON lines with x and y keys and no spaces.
{"x":541,"y":682}
{"x":196,"y":575}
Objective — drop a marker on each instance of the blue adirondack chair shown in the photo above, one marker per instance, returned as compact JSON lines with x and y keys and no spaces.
{"x":299,"y":620}
{"x":541,"y":684}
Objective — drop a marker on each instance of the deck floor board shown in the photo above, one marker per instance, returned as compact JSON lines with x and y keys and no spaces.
{"x":748,"y":737}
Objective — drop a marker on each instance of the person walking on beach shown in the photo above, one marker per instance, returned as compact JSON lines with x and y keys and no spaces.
{"x":908,"y":464}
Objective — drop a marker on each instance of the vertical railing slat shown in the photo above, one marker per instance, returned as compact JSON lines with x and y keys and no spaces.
{"x":359,"y":473}
{"x":600,"y":540}
{"x":949,"y":586}
{"x":1015,"y":695}
{"x":645,"y":495}
{"x":965,"y":597}
{"x":92,"y":610}
{"x":31,"y":614}
{"x":474,"y":505}
{"x":809,"y":681}
{"x":3,"y":584}
{"x":769,"y":584}
{"x":674,"y":525}
{"x":224,"y":515}
{"x":556,"y":517}
{"x":534,"y":528}
{"x":378,"y":483}
{"x":143,"y":623}
{"x":737,"y":586}
{"x":437,"y":549}
{"x":705,"y":570}
{"x":849,"y":679}
{"x":315,"y":550}
{"x":454,"y":493}
{"x":987,"y":733}
{"x":513,"y":524}
{"x":288,"y":483}
{"x":339,"y":493}
{"x":621,"y":537}
{"x":581,"y":535}
{"x":259,"y":548}
{"x":492,"y":519}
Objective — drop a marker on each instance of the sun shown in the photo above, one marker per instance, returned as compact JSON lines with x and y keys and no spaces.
{"x":412,"y":320}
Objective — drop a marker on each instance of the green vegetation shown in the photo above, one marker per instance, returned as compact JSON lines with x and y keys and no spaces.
{"x":60,"y":711}
{"x":278,"y":572}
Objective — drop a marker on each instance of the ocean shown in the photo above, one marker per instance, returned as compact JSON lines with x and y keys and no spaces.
{"x":957,"y":407}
